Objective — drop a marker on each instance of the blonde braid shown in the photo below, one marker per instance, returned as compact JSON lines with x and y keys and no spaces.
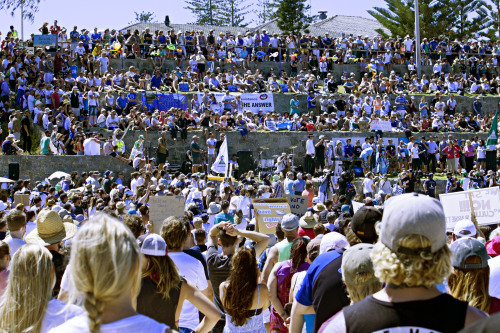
{"x":94,"y":308}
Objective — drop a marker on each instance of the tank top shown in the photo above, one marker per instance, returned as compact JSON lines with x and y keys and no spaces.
{"x":284,"y":250}
{"x":152,"y":304}
{"x":439,"y":314}
{"x":254,"y":324}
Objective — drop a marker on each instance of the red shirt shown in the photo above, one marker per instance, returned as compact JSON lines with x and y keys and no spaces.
{"x":494,"y":305}
{"x":54,"y":29}
{"x":55,"y":99}
{"x":451,"y":153}
{"x":306,"y":232}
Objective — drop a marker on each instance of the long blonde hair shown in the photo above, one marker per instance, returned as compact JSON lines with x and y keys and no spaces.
{"x":29,"y":290}
{"x":105,"y":263}
{"x":163,"y":272}
{"x":471,"y":285}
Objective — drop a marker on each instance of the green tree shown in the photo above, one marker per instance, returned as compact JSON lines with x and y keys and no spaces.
{"x":399,"y":17}
{"x":29,"y":7}
{"x":465,"y":22}
{"x":234,"y":13}
{"x":266,"y":11}
{"x":207,"y":12}
{"x":143,"y":17}
{"x":491,"y":12}
{"x":292,"y":17}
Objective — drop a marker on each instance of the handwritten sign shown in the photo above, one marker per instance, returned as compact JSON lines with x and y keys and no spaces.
{"x":269,"y":212}
{"x":44,"y":40}
{"x":298,"y":204}
{"x":162,"y":207}
{"x":486,"y":206}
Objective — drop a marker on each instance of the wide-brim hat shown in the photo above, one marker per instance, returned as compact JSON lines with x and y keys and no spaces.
{"x":213,"y":208}
{"x":308,"y":221}
{"x":50,"y":229}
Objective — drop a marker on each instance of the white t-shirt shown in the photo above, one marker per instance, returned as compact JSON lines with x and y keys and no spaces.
{"x":137,"y":323}
{"x":14,"y":244}
{"x":90,"y":147}
{"x":192,"y":270}
{"x":367,"y":185}
{"x":58,"y":313}
{"x":212,"y":142}
{"x":494,"y":277}
{"x":414,"y":152}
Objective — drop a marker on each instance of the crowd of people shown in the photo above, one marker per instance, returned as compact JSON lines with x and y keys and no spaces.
{"x":94,"y":260}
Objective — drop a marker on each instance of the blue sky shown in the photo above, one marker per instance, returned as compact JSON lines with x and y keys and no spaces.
{"x":117,"y":14}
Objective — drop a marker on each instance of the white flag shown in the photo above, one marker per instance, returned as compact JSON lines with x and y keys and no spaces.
{"x":222,"y":161}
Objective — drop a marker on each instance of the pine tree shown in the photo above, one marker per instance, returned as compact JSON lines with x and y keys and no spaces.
{"x":266,"y":11}
{"x":399,"y":17}
{"x":292,"y":17}
{"x":143,"y":17}
{"x":207,"y":12}
{"x":464,"y":18}
{"x":234,"y":13}
{"x":30,"y":7}
{"x":491,"y":12}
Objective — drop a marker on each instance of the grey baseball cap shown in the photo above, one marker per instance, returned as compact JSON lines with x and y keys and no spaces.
{"x":356,"y":260}
{"x":463,"y":249}
{"x":290,"y":222}
{"x":413,"y":213}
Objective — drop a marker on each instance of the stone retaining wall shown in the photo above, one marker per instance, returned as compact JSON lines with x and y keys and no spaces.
{"x":39,"y":167}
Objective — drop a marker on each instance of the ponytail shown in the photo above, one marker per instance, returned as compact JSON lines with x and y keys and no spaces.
{"x":298,"y":252}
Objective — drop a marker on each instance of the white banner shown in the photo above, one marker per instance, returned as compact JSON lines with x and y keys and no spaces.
{"x":251,"y":101}
{"x":381,"y":125}
{"x":222,"y":161}
{"x":486,"y":206}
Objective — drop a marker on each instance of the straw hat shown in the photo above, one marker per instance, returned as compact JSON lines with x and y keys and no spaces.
{"x":50,"y":229}
{"x":308,"y":221}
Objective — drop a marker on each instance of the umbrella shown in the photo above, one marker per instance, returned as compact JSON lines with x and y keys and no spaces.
{"x":58,"y":174}
{"x":6,"y":180}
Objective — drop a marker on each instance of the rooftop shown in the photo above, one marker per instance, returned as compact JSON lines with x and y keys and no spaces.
{"x":334,"y":25}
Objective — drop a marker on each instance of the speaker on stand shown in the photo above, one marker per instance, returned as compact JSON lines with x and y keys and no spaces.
{"x":491,"y":160}
{"x":245,"y":161}
{"x":14,"y":171}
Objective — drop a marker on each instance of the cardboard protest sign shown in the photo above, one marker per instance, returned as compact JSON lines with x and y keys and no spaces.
{"x":268,"y":213}
{"x":298,"y":204}
{"x":381,"y":125}
{"x":161,"y":207}
{"x":22,"y":199}
{"x":486,"y":206}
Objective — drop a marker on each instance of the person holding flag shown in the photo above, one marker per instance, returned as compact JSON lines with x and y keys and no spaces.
{"x":221,"y":163}
{"x":492,"y":140}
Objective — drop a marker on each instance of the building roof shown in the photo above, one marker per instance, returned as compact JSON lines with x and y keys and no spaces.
{"x":354,"y":25}
{"x":334,"y":25}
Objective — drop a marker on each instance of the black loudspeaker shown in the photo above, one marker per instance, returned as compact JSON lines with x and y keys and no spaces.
{"x":167,"y":21}
{"x":491,"y":160}
{"x":245,"y":161}
{"x":14,"y":171}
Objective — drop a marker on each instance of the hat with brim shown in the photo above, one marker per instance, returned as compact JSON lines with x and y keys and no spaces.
{"x":308,"y":221}
{"x":213,"y":208}
{"x":50,"y":229}
{"x":319,"y":207}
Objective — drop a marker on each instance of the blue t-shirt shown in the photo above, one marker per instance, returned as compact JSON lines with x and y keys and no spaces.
{"x":323,"y":288}
{"x":130,"y":97}
{"x":85,"y":39}
{"x":310,"y":103}
{"x":300,"y":185}
{"x":122,"y":102}
{"x":74,"y":71}
{"x":400,"y":103}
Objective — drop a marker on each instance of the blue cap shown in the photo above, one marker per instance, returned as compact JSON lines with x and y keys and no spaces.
{"x":107,"y":173}
{"x":345,"y":208}
{"x":132,"y":212}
